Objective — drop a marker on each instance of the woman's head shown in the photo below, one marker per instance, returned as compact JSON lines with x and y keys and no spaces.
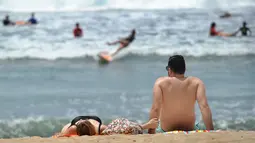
{"x":213,"y":24}
{"x":85,"y":128}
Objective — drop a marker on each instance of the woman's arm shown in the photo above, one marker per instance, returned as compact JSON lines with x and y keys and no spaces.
{"x":68,"y":131}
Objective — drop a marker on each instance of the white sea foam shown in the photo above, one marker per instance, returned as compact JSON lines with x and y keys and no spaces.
{"x":78,"y":5}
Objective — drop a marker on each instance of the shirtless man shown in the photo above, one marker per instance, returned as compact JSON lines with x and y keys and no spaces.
{"x":174,"y":99}
{"x":245,"y":30}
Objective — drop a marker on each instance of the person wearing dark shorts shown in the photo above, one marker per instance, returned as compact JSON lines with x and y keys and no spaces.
{"x":124,"y":42}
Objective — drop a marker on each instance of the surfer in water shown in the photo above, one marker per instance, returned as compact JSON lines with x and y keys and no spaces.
{"x":77,"y":32}
{"x":124,"y":42}
{"x":32,"y":19}
{"x":7,"y":21}
{"x":244,"y":30}
{"x":214,"y":32}
{"x":226,"y":15}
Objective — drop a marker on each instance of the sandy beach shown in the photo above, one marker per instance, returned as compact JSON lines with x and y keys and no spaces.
{"x":215,"y":137}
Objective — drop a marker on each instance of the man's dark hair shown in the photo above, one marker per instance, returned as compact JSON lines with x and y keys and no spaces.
{"x":177,"y":64}
{"x":244,"y":23}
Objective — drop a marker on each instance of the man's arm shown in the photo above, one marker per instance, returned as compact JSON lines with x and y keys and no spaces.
{"x":156,"y":105}
{"x":81,"y":32}
{"x":250,"y":31}
{"x":153,"y":123}
{"x":237,"y":31}
{"x":204,"y":107}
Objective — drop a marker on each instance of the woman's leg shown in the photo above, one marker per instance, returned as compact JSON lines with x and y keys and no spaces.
{"x":122,"y":45}
{"x":227,"y":34}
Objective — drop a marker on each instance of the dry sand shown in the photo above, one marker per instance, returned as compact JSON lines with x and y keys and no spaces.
{"x":214,"y":137}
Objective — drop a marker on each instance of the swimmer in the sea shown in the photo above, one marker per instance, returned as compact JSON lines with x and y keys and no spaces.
{"x":226,"y":15}
{"x":124,"y":42}
{"x":214,"y":32}
{"x":32,"y":20}
{"x":77,"y":32}
{"x":245,"y":30}
{"x":7,"y":21}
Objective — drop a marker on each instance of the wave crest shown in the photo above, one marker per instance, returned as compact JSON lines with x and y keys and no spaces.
{"x":46,"y":127}
{"x":78,"y":5}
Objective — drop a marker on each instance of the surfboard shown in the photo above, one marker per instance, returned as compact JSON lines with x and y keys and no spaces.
{"x":105,"y":57}
{"x":21,"y":23}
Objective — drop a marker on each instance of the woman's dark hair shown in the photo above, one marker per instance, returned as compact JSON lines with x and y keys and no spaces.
{"x":85,"y":128}
{"x":213,"y":24}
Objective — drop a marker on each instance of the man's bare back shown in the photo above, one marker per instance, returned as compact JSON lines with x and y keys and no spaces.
{"x":174,"y":99}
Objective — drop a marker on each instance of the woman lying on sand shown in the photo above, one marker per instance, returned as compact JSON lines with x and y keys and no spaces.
{"x":92,"y":125}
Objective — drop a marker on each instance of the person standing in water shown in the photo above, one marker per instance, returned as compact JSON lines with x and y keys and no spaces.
{"x":77,"y":32}
{"x":124,"y":42}
{"x":214,"y":32}
{"x":244,"y":30}
{"x":32,"y":20}
{"x":7,"y":21}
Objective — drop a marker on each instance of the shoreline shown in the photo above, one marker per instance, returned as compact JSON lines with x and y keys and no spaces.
{"x":209,"y":137}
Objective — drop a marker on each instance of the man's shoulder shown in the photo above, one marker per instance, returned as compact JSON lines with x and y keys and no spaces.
{"x":195,"y":79}
{"x":167,"y":79}
{"x":161,"y":79}
{"x":33,"y":19}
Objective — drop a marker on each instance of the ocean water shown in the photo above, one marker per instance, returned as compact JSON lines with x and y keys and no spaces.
{"x":47,"y":77}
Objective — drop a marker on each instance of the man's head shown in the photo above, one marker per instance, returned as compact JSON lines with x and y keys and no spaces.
{"x":176,"y":65}
{"x":32,"y":14}
{"x":85,"y":128}
{"x":77,"y":25}
{"x":244,"y":24}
